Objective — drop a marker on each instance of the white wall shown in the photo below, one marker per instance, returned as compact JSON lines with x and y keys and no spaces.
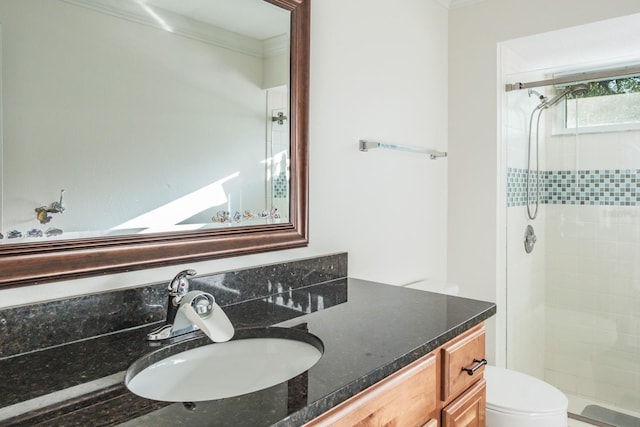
{"x":476,"y":237}
{"x":378,"y":70}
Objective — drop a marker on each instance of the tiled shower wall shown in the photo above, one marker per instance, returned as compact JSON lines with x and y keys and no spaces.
{"x":593,"y":268}
{"x":582,"y":280}
{"x":593,"y":302}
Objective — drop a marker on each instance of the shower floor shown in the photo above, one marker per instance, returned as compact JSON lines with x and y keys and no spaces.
{"x":605,"y":413}
{"x":609,"y":416}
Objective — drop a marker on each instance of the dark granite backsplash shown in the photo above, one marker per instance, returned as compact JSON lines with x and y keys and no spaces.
{"x":33,"y":327}
{"x":41,"y":372}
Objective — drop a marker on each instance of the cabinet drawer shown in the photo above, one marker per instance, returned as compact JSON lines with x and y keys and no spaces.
{"x":464,"y":353}
{"x":469,"y":410}
{"x":405,"y":398}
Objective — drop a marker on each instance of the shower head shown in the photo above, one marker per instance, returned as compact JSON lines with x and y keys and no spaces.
{"x":579,"y":89}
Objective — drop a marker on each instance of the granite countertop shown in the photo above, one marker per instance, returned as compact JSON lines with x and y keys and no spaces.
{"x":369,"y":330}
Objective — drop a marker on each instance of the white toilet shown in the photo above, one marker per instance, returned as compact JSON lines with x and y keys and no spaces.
{"x":514,"y":399}
{"x":517,"y":399}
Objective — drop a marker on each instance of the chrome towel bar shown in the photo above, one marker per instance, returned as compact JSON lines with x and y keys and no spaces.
{"x":368,"y":145}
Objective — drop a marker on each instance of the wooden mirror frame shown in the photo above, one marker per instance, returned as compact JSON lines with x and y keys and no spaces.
{"x":25,"y":264}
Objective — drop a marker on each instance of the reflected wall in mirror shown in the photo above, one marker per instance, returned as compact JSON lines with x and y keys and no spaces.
{"x":177,"y":130}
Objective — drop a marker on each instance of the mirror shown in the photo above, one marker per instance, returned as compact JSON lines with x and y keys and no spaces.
{"x":175,"y":136}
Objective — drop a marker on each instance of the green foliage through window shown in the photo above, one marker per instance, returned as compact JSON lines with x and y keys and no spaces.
{"x":611,"y":87}
{"x":608,"y":105}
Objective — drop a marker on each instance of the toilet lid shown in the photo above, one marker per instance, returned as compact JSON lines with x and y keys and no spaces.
{"x":514,"y":392}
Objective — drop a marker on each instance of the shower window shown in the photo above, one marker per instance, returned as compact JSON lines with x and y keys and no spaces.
{"x":609,"y":105}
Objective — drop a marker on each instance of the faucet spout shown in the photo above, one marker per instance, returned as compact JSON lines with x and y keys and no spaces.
{"x":199,"y":309}
{"x":191,"y":310}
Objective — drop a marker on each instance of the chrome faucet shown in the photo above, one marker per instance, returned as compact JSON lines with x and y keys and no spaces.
{"x":188,"y":311}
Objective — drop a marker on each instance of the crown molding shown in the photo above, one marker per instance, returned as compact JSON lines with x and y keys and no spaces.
{"x":187,"y":27}
{"x":274,"y":46}
{"x":455,"y":4}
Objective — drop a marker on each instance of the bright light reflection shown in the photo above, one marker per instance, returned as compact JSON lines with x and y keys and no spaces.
{"x":276,"y":158}
{"x":276,"y":163}
{"x":167,"y":217}
{"x":155,"y":16}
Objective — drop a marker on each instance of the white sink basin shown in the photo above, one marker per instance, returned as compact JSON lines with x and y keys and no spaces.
{"x":220,"y":370}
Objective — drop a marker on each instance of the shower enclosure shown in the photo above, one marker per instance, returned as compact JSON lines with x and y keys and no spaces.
{"x":573,"y":268}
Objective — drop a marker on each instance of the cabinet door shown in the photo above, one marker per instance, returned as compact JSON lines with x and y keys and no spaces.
{"x":468,"y":410}
{"x":464,"y":352}
{"x":407,"y":398}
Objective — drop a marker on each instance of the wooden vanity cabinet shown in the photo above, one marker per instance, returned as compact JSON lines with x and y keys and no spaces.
{"x":433,"y":391}
{"x":406,"y":398}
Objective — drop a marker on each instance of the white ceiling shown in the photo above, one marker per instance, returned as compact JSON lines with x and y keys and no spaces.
{"x":612,"y":41}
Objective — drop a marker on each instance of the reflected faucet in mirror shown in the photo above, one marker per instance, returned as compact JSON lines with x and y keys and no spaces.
{"x":280,"y":118}
{"x":188,"y":311}
{"x":54,"y":207}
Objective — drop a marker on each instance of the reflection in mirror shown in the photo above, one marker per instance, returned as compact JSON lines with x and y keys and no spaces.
{"x":154,"y":116}
{"x":143,"y":133}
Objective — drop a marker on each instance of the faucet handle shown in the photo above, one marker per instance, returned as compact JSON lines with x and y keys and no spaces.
{"x":179,"y":285}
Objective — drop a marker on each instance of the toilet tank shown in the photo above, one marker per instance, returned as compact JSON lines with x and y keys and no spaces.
{"x":437,"y":286}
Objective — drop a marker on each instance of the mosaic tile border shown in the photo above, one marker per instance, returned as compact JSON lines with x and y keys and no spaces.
{"x":281,"y":186}
{"x":517,"y":186}
{"x":610,"y":187}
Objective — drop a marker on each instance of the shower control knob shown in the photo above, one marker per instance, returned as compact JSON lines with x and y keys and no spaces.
{"x":530,"y":239}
